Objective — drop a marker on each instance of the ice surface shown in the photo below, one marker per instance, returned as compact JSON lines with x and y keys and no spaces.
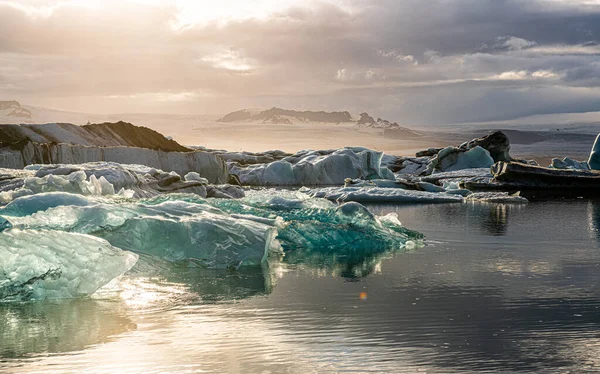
{"x":497,"y":197}
{"x":382,"y":195}
{"x":209,"y":166}
{"x":315,"y":168}
{"x":452,"y":159}
{"x":108,"y":179}
{"x":27,"y":205}
{"x":51,"y":264}
{"x":594,"y":160}
{"x":430,"y":187}
{"x":568,"y":163}
{"x":311,"y":224}
{"x":193,"y":176}
{"x":182,"y":228}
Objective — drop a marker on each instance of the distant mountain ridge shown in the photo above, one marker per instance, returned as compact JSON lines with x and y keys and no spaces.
{"x":286,"y":117}
{"x":13,"y":108}
{"x":282,"y":116}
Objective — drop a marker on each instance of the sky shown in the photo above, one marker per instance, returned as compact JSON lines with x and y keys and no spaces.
{"x":411,"y":61}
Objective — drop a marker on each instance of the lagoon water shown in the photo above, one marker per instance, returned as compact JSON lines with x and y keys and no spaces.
{"x":498,"y":288}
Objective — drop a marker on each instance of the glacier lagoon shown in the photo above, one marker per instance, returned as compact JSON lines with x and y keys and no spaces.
{"x":497,"y":288}
{"x":101,"y":258}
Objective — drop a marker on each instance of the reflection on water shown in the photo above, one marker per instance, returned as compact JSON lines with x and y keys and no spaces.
{"x":351,"y":266}
{"x":498,"y":289}
{"x":593,"y":210}
{"x":59,"y":326}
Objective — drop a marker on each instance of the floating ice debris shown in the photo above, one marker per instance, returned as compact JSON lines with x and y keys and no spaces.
{"x":106,"y":179}
{"x":497,"y":197}
{"x":38,"y":265}
{"x":382,"y":195}
{"x":568,"y":163}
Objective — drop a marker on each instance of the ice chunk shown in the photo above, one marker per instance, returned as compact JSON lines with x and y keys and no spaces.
{"x":27,"y":205}
{"x":452,"y":159}
{"x":430,"y":187}
{"x":5,"y":224}
{"x":50,"y":264}
{"x":594,"y":160}
{"x":497,"y":197}
{"x":385,"y":183}
{"x":311,"y":224}
{"x":568,"y":163}
{"x":193,"y":176}
{"x":179,"y":228}
{"x":315,"y":168}
{"x":382,"y":195}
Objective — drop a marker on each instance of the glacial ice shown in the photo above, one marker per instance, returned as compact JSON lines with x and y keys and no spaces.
{"x":38,"y":265}
{"x":312,"y":224}
{"x":594,"y":160}
{"x":315,"y":168}
{"x":27,"y":205}
{"x":107,"y":179}
{"x":452,"y":159}
{"x":186,"y":230}
{"x":497,"y":197}
{"x":569,"y":163}
{"x":210,"y":166}
{"x":382,"y":195}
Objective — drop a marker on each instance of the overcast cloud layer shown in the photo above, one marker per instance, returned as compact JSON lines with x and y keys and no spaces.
{"x":414,"y":61}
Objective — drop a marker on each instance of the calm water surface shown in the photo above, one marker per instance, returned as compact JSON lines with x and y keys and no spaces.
{"x":497,"y":289}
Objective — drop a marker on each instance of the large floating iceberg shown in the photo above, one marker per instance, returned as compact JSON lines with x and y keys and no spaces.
{"x":51,"y":264}
{"x":315,"y":168}
{"x":179,"y":229}
{"x":314,"y":224}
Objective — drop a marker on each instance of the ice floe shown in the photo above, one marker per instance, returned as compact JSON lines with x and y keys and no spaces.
{"x":313,"y":168}
{"x":52,"y":264}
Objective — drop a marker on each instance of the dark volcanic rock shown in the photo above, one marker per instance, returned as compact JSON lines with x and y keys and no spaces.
{"x":496,"y":143}
{"x":135,"y":136}
{"x":524,"y":176}
{"x":428,"y":152}
{"x":119,"y":134}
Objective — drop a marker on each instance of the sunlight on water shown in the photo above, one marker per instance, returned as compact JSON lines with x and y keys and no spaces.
{"x":495,"y":290}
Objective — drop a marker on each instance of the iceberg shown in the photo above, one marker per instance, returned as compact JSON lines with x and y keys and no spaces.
{"x":314,"y":224}
{"x":216,"y":233}
{"x":315,"y":168}
{"x":107,"y":179}
{"x":44,"y":264}
{"x":594,"y":160}
{"x":452,"y":159}
{"x":181,"y":229}
{"x":569,"y":163}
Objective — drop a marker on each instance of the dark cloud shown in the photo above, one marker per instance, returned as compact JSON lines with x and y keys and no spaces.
{"x":413,"y":61}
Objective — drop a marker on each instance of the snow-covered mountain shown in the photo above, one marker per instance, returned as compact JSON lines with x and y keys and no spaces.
{"x":286,"y":116}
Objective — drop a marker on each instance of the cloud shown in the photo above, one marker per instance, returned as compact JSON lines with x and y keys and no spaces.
{"x":390,"y":57}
